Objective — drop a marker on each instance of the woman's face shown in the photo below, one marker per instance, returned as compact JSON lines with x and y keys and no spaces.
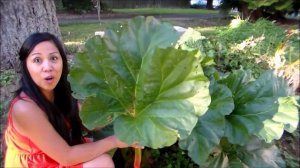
{"x":45,"y":65}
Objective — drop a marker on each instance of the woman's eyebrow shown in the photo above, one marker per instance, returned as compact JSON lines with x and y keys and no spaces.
{"x":55,"y":52}
{"x":37,"y":53}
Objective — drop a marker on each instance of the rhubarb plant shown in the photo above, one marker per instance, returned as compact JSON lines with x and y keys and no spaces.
{"x":136,"y":79}
{"x":245,"y":115}
{"x":150,"y":83}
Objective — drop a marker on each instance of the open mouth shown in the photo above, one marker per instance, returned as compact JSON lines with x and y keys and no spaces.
{"x":49,"y":78}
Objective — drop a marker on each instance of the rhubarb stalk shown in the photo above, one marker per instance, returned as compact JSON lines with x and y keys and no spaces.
{"x":137,"y":157}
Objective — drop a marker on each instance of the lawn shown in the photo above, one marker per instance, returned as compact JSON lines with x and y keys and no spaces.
{"x":80,"y":32}
{"x":75,"y":34}
{"x":166,"y":11}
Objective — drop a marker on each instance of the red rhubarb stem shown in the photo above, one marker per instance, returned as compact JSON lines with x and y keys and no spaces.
{"x":137,"y":157}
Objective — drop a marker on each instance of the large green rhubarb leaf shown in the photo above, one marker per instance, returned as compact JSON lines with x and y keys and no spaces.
{"x":136,"y":79}
{"x":166,"y":99}
{"x":255,"y":102}
{"x":210,"y":127}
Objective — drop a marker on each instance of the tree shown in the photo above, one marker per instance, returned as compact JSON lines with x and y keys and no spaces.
{"x":254,"y":9}
{"x":209,"y":4}
{"x":20,"y":18}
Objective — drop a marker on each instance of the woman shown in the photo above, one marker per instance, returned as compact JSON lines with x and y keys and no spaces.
{"x":44,"y":128}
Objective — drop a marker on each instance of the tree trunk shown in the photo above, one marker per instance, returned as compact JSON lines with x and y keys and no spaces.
{"x":20,"y":18}
{"x":252,"y":15}
{"x":209,"y":4}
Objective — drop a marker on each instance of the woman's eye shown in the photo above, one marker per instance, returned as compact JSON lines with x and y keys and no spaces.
{"x":54,"y":58}
{"x":37,"y":60}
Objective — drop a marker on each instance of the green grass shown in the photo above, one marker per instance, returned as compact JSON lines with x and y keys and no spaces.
{"x":165,"y":11}
{"x":74,"y":35}
{"x":80,"y":32}
{"x":209,"y":31}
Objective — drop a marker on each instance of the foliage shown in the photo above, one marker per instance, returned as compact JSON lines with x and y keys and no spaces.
{"x":242,"y":108}
{"x":254,"y":154}
{"x":253,"y":46}
{"x":7,"y":77}
{"x":227,"y":58}
{"x":274,"y":5}
{"x":256,"y":46}
{"x":239,"y":112}
{"x":144,"y":90}
{"x":289,"y":145}
{"x":79,"y":6}
{"x":255,"y":9}
{"x":210,"y":127}
{"x":169,"y":157}
{"x":266,"y":5}
{"x":241,"y":30}
{"x":152,"y":95}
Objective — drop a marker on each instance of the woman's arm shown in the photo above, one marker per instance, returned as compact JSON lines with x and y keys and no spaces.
{"x":32,"y":122}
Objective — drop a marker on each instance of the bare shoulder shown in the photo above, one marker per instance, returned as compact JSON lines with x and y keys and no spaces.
{"x":25,"y":107}
{"x":26,"y":112}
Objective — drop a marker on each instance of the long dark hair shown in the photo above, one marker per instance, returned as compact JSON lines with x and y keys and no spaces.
{"x":64,"y":109}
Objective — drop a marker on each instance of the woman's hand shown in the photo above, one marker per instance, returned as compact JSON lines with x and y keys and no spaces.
{"x":120,"y":144}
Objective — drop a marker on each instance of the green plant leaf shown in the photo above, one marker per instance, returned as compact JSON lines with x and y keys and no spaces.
{"x":99,"y":111}
{"x":255,"y":101}
{"x":271,"y":130}
{"x":210,"y":127}
{"x":190,"y":40}
{"x":151,"y":95}
{"x":167,"y":99}
{"x":193,"y":40}
{"x":287,"y":113}
{"x":258,"y":154}
{"x":286,"y":118}
{"x":255,"y":153}
{"x":86,"y":75}
{"x":236,"y":80}
{"x":220,"y":161}
{"x":284,"y":6}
